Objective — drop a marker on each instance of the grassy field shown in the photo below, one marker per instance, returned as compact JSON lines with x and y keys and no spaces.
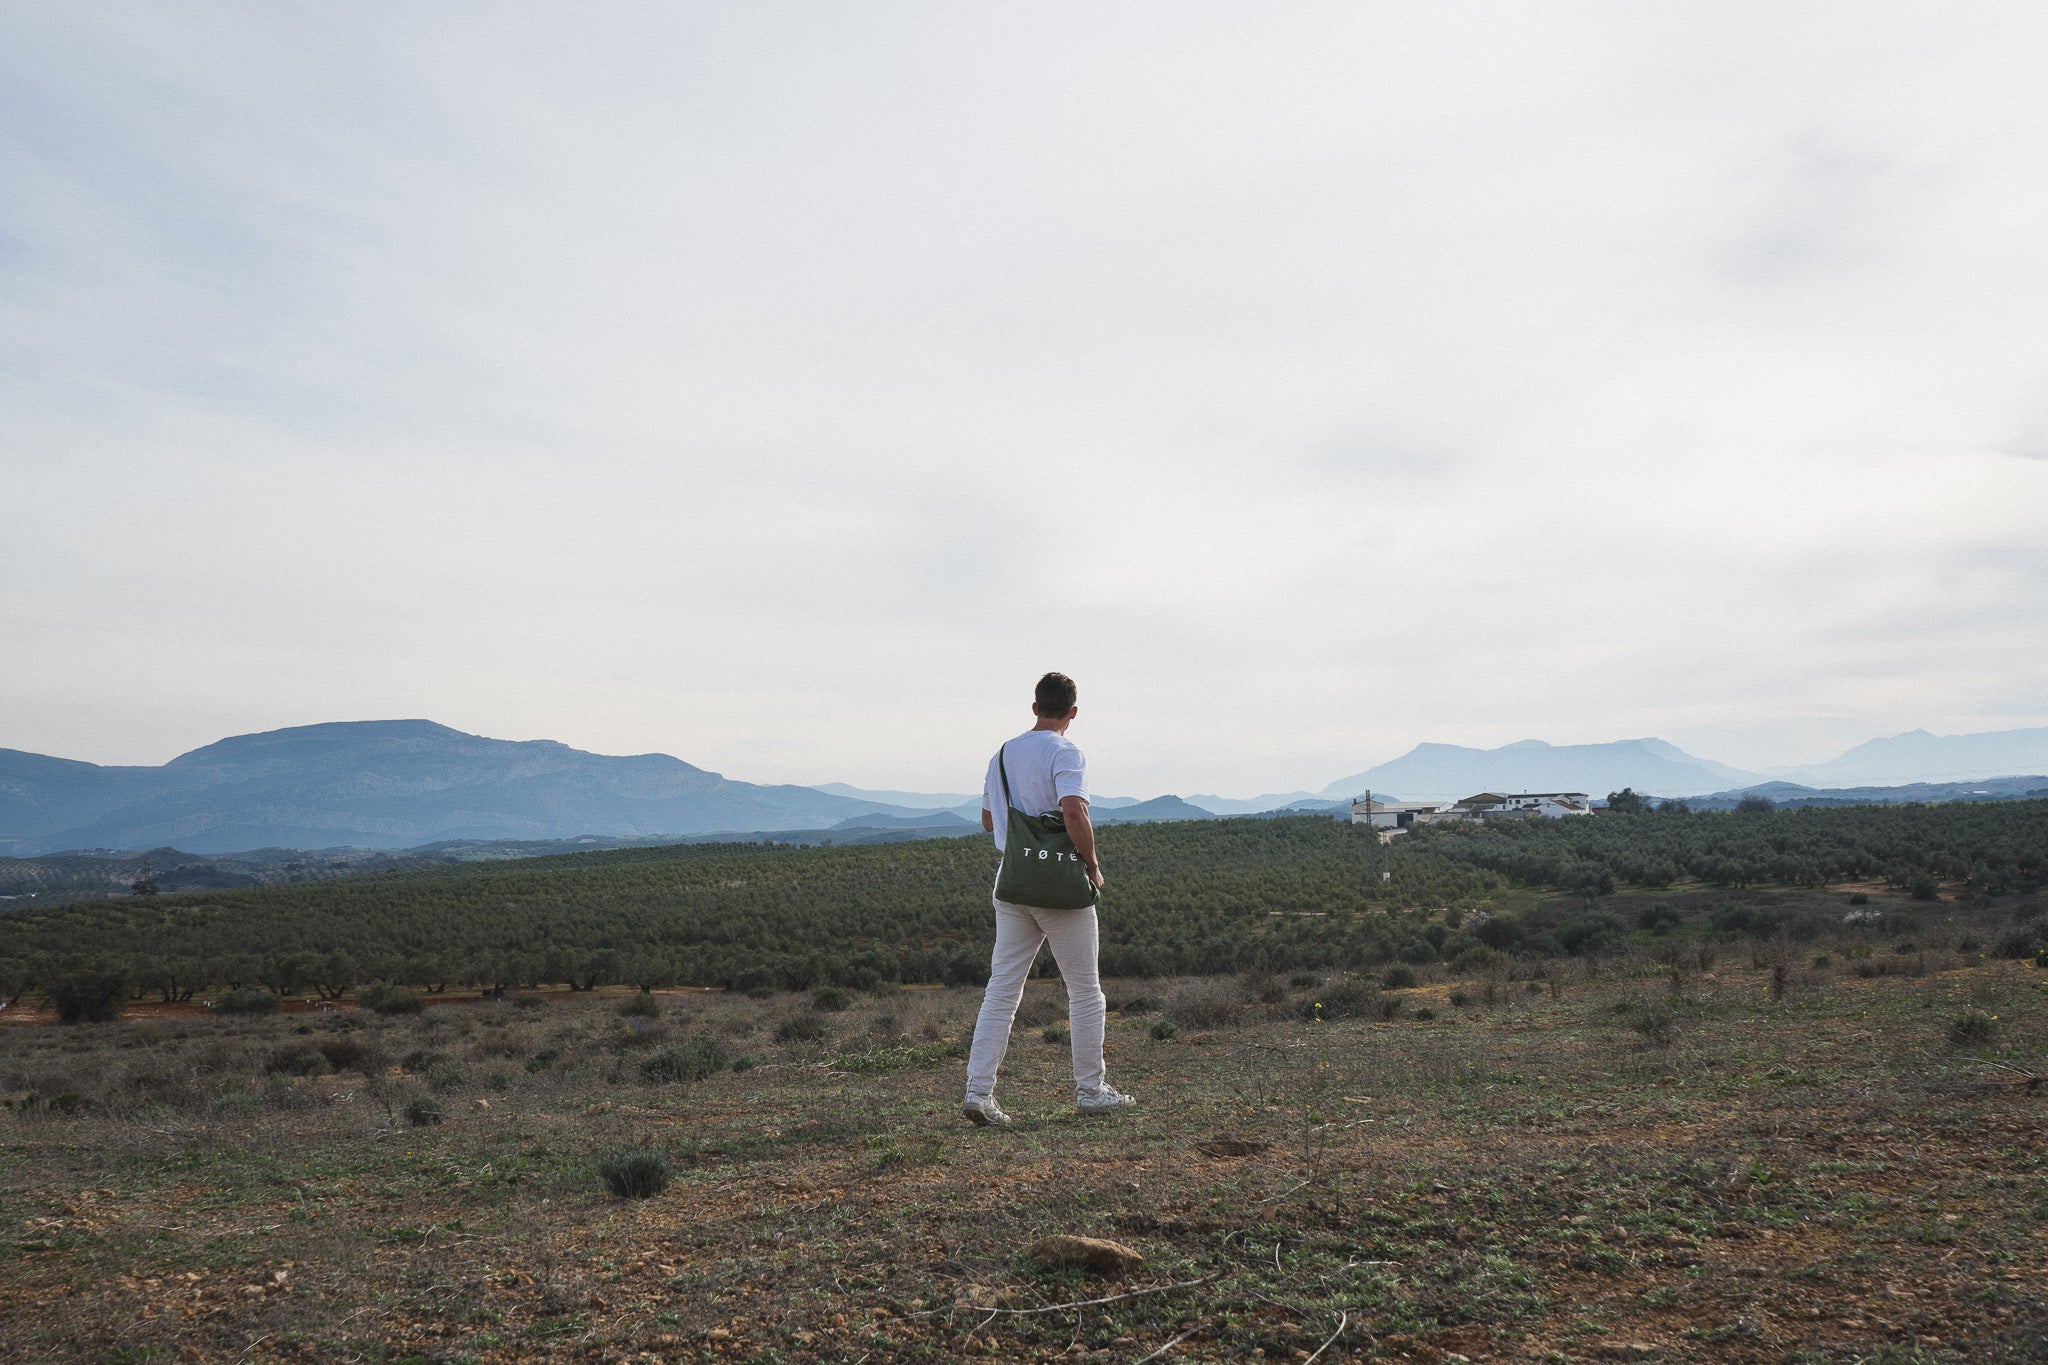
{"x":1785,"y":1153}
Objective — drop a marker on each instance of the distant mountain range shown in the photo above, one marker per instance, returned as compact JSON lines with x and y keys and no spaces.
{"x":1432,"y":772}
{"x":404,"y":784}
{"x":1918,"y":756}
{"x":386,"y":784}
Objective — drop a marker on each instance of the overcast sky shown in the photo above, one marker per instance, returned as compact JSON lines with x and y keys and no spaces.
{"x":786,"y":387}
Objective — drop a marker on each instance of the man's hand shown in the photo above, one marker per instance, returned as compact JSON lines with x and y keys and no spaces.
{"x":1082,"y":831}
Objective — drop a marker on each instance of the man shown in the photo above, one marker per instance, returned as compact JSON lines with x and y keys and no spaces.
{"x":1043,"y":771}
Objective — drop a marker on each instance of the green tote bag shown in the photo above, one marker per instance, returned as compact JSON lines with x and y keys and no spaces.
{"x":1040,"y":865}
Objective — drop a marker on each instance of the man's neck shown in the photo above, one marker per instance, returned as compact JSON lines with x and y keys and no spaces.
{"x":1058,"y":727}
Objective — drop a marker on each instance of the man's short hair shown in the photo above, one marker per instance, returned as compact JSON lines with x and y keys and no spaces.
{"x":1055,"y":696}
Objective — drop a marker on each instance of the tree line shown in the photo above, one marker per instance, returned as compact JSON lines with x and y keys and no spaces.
{"x":1184,"y":898}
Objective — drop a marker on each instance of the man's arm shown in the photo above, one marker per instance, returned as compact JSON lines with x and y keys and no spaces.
{"x":1082,"y":831}
{"x":988,"y":822}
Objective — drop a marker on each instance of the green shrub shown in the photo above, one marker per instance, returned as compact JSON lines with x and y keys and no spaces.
{"x":1655,"y":1022}
{"x":801,"y":1028}
{"x":235,"y":1104}
{"x":447,"y":1076}
{"x":1399,"y":977}
{"x":424,"y":1111}
{"x":637,"y":1174}
{"x":1137,"y":1004}
{"x":1475,"y":959}
{"x":1972,"y":1029}
{"x":830,"y":999}
{"x":88,"y":997}
{"x":1458,"y":996}
{"x":297,"y":1059}
{"x":1352,"y":998}
{"x":1053,"y":1033}
{"x":1425,"y":1013}
{"x":641,"y":1006}
{"x":1164,"y":1031}
{"x":352,"y":1054}
{"x":702,"y":1056}
{"x":390,"y":1000}
{"x":248,"y":1000}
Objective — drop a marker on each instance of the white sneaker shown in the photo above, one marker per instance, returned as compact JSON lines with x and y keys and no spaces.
{"x":981,"y":1110}
{"x":1104,"y":1099}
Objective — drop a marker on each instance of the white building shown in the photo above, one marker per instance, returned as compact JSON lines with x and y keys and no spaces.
{"x":1516,"y":806}
{"x":1388,"y":814}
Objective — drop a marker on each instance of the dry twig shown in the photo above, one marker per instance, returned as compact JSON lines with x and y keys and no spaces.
{"x":1343,"y":1321}
{"x":1171,"y":1342}
{"x":1083,"y":1303}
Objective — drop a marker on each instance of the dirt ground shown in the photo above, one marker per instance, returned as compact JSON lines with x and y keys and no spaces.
{"x":1638,"y":1162}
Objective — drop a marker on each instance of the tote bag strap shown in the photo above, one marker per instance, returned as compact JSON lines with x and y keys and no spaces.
{"x":1005,"y":773}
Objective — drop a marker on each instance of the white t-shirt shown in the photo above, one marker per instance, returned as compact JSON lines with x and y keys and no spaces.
{"x":1044,"y":766}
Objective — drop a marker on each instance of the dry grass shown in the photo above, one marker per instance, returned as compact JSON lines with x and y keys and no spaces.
{"x":1814,"y":1178}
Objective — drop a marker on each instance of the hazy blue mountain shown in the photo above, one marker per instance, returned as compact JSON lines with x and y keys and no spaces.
{"x":1447,"y":771}
{"x":946,"y":820}
{"x":1141,"y":812}
{"x":1793,"y":794}
{"x":385,"y":784}
{"x":1918,"y":756}
{"x":1256,"y":805}
{"x":913,"y":800}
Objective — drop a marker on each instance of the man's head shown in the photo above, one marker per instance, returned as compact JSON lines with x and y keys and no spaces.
{"x":1054,"y":698}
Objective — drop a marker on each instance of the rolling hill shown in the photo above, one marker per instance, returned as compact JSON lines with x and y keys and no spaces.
{"x":385,"y":784}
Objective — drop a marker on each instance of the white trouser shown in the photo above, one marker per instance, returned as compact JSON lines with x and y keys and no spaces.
{"x":1019,"y":931}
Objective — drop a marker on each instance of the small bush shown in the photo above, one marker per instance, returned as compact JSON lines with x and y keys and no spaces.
{"x":638,"y":1174}
{"x":447,"y":1077}
{"x":1301,"y":981}
{"x":1399,"y":977}
{"x":1037,"y":1009}
{"x":390,"y":1000}
{"x":236,"y":1104}
{"x":1053,"y":1033}
{"x":830,"y":999}
{"x":2015,"y":944}
{"x":1972,"y":1029}
{"x":1425,"y":1013}
{"x":88,"y":997}
{"x":297,"y":1059}
{"x":641,"y":1006}
{"x":1164,"y":1031}
{"x":248,"y":1000}
{"x":1656,"y":1023}
{"x":1352,"y":998}
{"x":801,"y":1028}
{"x":1925,"y":889}
{"x":541,"y":1061}
{"x":424,"y":1111}
{"x":702,"y":1056}
{"x":1477,"y":958}
{"x":1859,"y":898}
{"x":1204,"y":1004}
{"x":1137,"y":1004}
{"x":528,"y":1000}
{"x":419,"y":1060}
{"x":1458,"y":996}
{"x":352,"y":1054}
